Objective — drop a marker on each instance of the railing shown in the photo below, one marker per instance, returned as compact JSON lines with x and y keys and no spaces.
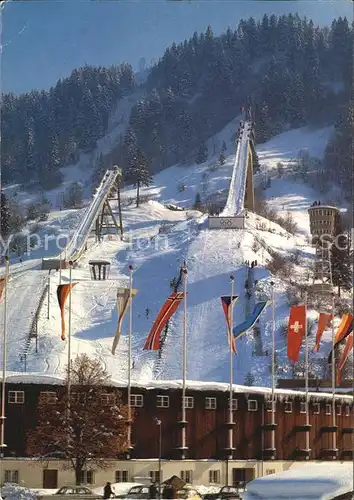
{"x":33,"y":332}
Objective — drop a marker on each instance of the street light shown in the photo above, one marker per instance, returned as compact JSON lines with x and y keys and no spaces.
{"x":158,"y":423}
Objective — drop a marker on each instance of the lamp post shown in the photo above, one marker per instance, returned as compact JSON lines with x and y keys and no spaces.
{"x":158,"y":423}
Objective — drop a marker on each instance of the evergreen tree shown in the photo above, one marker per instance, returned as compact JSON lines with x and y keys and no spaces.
{"x":5,"y":216}
{"x":341,"y":259}
{"x":222,"y":158}
{"x":139,"y":173}
{"x":202,"y":155}
{"x":198,"y":201}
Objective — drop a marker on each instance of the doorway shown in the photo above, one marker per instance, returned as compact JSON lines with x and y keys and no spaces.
{"x":50,"y":479}
{"x":242,"y":476}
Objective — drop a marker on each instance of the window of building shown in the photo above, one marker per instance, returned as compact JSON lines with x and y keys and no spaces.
{"x":11,"y":476}
{"x":303,"y":406}
{"x":155,"y":476}
{"x":210,"y":404}
{"x":16,"y":397}
{"x":121,"y":476}
{"x":316,"y":408}
{"x":270,"y":471}
{"x":48,"y":397}
{"x":252,"y":405}
{"x":162,"y":401}
{"x":188,"y":402}
{"x":269,"y":405}
{"x":86,"y":477}
{"x":108,"y":399}
{"x":187,"y":476}
{"x":136,"y":400}
{"x":234,"y":404}
{"x":288,"y":407}
{"x":347,"y":411}
{"x":214,"y":476}
{"x":328,"y":409}
{"x":339,"y":409}
{"x":78,"y":397}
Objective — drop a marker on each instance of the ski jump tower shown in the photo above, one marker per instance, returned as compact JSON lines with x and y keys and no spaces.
{"x":322,"y":225}
{"x":241,"y":190}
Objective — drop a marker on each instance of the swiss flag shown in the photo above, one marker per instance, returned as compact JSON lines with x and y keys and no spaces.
{"x":296,"y":331}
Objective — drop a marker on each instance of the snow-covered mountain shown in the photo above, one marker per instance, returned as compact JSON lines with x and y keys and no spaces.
{"x":157,"y":240}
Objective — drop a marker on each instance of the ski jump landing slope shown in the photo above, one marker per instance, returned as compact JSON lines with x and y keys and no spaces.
{"x":23,"y":295}
{"x":237,"y":190}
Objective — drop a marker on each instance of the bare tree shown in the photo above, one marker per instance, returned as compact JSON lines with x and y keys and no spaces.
{"x":92,"y":428}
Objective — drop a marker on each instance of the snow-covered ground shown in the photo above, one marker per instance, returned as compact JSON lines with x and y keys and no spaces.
{"x":211,"y":257}
{"x":316,"y":481}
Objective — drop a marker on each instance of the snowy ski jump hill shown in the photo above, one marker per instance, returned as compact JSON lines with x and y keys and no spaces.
{"x":157,"y":240}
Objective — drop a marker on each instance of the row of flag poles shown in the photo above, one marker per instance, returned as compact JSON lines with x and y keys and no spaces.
{"x":297,"y":333}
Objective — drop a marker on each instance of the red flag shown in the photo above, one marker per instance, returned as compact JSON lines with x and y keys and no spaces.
{"x":226,"y":305}
{"x":348,"y":348}
{"x":296,"y":331}
{"x":345,"y":327}
{"x":62,"y":294}
{"x":152,"y":342}
{"x":323,"y":321}
{"x":2,"y":286}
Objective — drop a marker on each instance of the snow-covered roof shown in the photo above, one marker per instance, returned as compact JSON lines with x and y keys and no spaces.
{"x":38,"y":378}
{"x":320,"y":481}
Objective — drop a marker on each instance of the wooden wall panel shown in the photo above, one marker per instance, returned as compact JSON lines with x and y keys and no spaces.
{"x":207,"y":434}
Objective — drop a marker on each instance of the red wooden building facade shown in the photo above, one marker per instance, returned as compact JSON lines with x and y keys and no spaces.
{"x":255,"y":435}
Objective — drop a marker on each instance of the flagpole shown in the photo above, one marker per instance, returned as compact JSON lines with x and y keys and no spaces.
{"x":184,"y":363}
{"x":273,"y":368}
{"x":60,"y":269}
{"x":231,"y":367}
{"x":4,"y":362}
{"x":130,"y":355}
{"x":334,"y":434}
{"x":307,"y":378}
{"x":69,"y":333}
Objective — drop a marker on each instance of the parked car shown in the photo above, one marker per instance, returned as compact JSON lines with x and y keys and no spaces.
{"x":71,"y":492}
{"x":188,"y":493}
{"x":225,"y":493}
{"x":142,"y":493}
{"x":8,"y":488}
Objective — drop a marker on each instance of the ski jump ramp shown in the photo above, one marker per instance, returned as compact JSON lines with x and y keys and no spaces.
{"x":241,"y":190}
{"x":77,"y":245}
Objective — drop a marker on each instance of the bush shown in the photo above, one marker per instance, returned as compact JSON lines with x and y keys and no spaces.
{"x":38,"y":210}
{"x":73,"y":196}
{"x":279,"y":265}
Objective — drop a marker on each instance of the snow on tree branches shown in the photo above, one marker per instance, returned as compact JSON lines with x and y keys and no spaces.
{"x":85,"y":430}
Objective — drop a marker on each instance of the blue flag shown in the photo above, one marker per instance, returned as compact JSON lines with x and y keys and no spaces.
{"x":242,"y":328}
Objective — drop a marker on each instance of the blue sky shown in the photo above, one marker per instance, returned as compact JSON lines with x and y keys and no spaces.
{"x":45,"y":40}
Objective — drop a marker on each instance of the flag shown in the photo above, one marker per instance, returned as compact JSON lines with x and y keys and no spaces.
{"x":226,"y":305}
{"x":323,"y":322}
{"x":296,"y":331}
{"x":152,"y":342}
{"x":2,"y":286}
{"x":62,"y":294}
{"x":242,"y":328}
{"x":123,"y":299}
{"x":344,"y":329}
{"x":346,"y":352}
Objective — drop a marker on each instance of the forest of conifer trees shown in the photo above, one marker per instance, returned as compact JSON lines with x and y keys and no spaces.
{"x":291,"y":72}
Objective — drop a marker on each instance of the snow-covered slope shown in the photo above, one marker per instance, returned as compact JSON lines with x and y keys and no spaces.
{"x":211,"y":258}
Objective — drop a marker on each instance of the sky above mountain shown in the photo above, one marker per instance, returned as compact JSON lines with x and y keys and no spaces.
{"x":45,"y":40}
